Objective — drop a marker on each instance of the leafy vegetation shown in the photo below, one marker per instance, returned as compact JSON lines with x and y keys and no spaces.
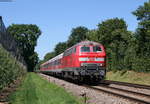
{"x":35,"y":90}
{"x":26,"y":37}
{"x":125,"y":50}
{"x":10,"y":68}
{"x":143,"y":37}
{"x":59,"y":48}
{"x":77,"y":34}
{"x":113,"y":34}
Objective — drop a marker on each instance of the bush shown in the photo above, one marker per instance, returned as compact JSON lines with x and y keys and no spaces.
{"x":10,"y":68}
{"x":141,"y":64}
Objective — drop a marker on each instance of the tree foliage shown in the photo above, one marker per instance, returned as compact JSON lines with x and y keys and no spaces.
{"x":143,"y":30}
{"x":92,"y":35}
{"x":26,"y":37}
{"x":77,"y":34}
{"x":143,"y":12}
{"x":143,"y":37}
{"x":49,"y":56}
{"x":106,"y":28}
{"x":113,"y":34}
{"x":60,"y":48}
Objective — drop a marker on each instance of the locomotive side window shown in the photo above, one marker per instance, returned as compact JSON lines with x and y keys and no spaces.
{"x":85,"y":49}
{"x":69,"y":52}
{"x":97,"y":49}
{"x":74,"y":50}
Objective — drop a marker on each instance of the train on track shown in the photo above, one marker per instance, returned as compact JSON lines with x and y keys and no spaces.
{"x":83,"y":61}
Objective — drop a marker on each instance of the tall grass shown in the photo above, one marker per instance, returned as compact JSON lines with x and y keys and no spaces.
{"x":129,"y":76}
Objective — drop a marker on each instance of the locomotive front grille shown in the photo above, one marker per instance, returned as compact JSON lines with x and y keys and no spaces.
{"x":90,"y":66}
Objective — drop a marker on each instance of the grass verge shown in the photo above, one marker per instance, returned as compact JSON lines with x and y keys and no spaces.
{"x":35,"y":90}
{"x":129,"y":76}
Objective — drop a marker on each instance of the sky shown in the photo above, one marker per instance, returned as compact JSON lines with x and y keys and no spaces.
{"x":56,"y":18}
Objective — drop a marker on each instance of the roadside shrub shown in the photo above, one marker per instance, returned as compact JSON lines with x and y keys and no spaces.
{"x":10,"y":68}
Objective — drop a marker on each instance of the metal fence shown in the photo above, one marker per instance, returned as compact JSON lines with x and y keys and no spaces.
{"x":9,"y":43}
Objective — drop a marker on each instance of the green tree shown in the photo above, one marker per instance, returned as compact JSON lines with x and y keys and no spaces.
{"x":26,"y":37}
{"x":113,"y":34}
{"x":77,"y":34}
{"x":49,"y":56}
{"x":106,"y":28}
{"x":92,"y":35}
{"x":119,"y":50}
{"x":143,"y":12}
{"x":143,"y":37}
{"x":34,"y":59}
{"x":143,"y":30}
{"x":60,"y":48}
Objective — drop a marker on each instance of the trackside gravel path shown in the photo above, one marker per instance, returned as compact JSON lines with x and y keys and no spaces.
{"x":92,"y":96}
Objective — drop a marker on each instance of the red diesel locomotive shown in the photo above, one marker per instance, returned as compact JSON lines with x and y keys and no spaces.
{"x":84,"y":61}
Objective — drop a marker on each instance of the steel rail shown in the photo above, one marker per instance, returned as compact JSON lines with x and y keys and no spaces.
{"x":126,"y":91}
{"x":119,"y":95}
{"x":127,"y":84}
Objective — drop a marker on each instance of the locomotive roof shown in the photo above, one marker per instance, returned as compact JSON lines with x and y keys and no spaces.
{"x":85,"y":43}
{"x":53,"y":59}
{"x":56,"y":58}
{"x":88,"y":43}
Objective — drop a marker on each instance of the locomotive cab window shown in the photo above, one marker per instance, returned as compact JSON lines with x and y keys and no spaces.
{"x":74,"y":50}
{"x":85,"y":49}
{"x":97,"y":49}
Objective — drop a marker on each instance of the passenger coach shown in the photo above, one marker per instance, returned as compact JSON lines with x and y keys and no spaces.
{"x":84,"y":61}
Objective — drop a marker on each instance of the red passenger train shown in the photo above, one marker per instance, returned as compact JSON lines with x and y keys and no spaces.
{"x":84,"y":61}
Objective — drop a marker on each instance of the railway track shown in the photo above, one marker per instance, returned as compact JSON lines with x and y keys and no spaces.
{"x":127,"y":84}
{"x":139,"y":97}
{"x":130,"y":95}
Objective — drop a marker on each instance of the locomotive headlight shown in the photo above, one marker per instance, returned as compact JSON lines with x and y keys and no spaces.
{"x":83,"y":59}
{"x":100,"y":64}
{"x":99,"y":59}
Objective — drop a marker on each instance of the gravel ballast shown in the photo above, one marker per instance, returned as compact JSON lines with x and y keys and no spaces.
{"x":92,"y":96}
